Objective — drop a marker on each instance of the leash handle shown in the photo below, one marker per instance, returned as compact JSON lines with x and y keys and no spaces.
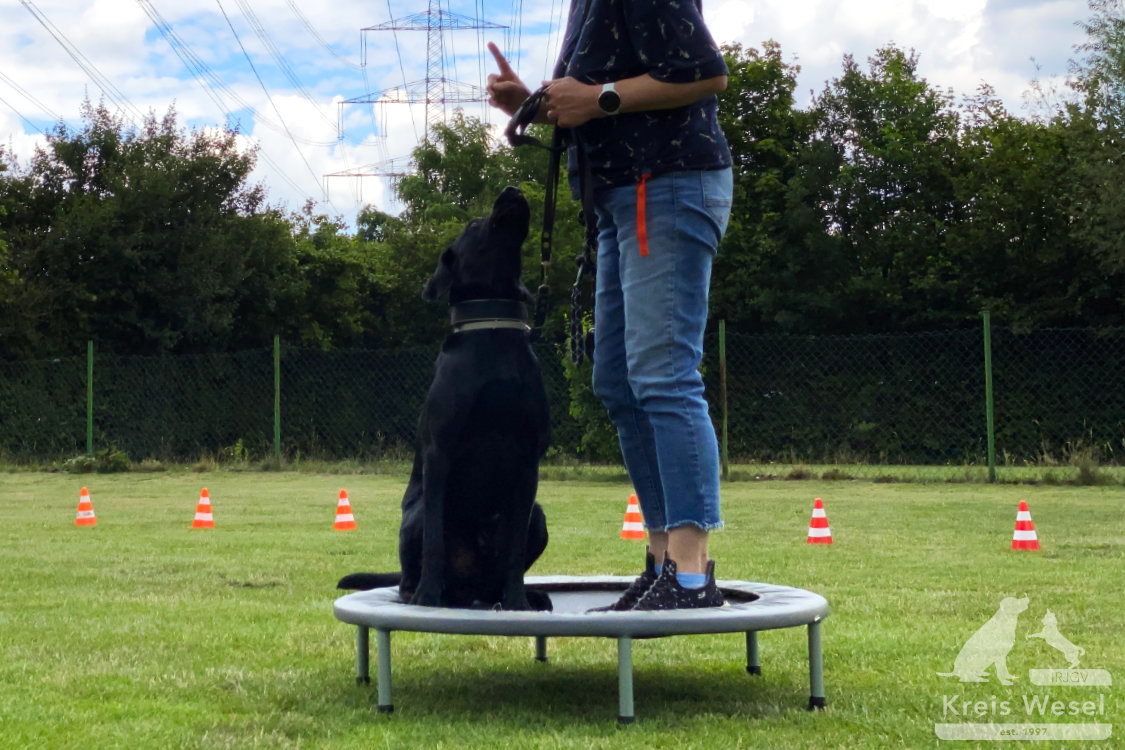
{"x":523,"y":118}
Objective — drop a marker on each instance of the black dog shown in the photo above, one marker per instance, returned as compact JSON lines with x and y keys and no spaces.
{"x":470,"y":523}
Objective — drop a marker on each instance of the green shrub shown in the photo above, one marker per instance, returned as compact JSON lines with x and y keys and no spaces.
{"x":108,"y":461}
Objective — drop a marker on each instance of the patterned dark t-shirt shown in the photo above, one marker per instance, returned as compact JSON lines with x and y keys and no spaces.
{"x":607,"y":40}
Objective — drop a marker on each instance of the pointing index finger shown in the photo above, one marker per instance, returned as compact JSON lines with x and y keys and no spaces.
{"x":501,"y":62}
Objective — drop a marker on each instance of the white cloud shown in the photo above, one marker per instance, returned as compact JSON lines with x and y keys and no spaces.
{"x":960,"y":42}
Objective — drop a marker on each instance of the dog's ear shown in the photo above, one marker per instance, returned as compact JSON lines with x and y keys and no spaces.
{"x":442,"y":278}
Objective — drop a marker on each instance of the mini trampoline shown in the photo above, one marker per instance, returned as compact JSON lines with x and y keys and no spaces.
{"x":752,"y":607}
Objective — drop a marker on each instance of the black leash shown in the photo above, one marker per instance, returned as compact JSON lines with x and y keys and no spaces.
{"x":580,"y":346}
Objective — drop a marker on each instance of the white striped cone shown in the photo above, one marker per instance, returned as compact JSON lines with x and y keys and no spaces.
{"x":345,"y":521}
{"x":634,"y":526}
{"x":819,"y":530}
{"x":203,"y":517}
{"x":85,"y":515}
{"x":1024,"y":536}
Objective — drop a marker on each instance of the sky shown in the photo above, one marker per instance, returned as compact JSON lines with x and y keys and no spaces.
{"x":333,"y":96}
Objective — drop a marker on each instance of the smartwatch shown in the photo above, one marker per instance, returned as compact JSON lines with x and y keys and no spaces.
{"x":609,"y":101}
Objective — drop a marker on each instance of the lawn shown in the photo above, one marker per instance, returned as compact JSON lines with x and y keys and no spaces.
{"x":143,"y":633}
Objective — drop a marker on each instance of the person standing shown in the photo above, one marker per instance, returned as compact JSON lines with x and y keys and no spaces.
{"x":636,"y":84}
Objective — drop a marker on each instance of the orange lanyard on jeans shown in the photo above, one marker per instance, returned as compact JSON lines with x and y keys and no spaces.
{"x":642,"y":228}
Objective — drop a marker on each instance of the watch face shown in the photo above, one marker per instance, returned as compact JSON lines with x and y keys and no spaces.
{"x":609,"y":102}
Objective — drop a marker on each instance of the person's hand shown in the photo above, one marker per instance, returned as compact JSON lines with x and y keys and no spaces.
{"x":570,"y":103}
{"x":505,"y":90}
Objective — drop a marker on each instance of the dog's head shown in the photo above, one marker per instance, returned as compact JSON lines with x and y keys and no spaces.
{"x":484,"y":262}
{"x":1012,"y":606}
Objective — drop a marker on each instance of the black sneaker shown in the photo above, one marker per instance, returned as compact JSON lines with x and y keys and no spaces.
{"x":667,"y":593}
{"x":635,"y":591}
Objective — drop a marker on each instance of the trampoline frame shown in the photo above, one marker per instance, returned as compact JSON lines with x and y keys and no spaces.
{"x":752,"y":607}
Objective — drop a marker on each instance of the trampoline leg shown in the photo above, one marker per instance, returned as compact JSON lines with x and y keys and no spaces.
{"x":362,"y":656}
{"x":753,"y":665}
{"x":817,"y":700}
{"x":383,"y":645}
{"x":625,"y":681}
{"x":540,"y":648}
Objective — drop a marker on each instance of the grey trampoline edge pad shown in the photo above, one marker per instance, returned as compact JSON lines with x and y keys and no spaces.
{"x":751,"y":607}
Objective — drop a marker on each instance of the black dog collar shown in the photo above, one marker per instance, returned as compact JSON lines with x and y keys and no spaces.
{"x":488,"y":314}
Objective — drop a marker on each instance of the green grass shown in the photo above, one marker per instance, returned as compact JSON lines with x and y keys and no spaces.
{"x":142,"y":633}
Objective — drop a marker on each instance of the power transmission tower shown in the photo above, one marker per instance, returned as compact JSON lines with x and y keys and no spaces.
{"x":435,"y":90}
{"x":393,"y":168}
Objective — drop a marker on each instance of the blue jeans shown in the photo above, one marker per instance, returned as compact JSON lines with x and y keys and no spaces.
{"x":650,"y":313}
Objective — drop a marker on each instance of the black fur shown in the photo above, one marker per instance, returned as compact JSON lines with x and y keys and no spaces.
{"x":470,"y":524}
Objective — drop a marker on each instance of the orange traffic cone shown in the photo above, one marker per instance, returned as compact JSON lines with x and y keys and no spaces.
{"x":203,"y":517}
{"x":1024,"y":536}
{"x":345,"y":521}
{"x":819,"y":530}
{"x":634,"y":526}
{"x":85,"y":515}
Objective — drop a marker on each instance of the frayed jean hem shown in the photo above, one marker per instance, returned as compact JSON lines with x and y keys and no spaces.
{"x":708,"y":527}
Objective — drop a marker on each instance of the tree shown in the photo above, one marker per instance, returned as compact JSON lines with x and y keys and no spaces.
{"x":7,"y":273}
{"x":1014,"y":249}
{"x":777,"y":264}
{"x":1100,"y":76}
{"x":1100,"y":117}
{"x":459,"y":173}
{"x":893,"y":197}
{"x":127,"y":236}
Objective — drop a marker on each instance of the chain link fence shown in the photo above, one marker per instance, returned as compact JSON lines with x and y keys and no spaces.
{"x":915,"y":399}
{"x":883,"y":399}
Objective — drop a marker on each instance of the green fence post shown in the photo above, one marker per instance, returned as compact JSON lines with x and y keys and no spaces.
{"x":989,"y":414}
{"x":277,"y":400}
{"x":90,"y":397}
{"x":723,"y":393}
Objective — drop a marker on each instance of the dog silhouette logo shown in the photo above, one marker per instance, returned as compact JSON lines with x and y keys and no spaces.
{"x":989,"y":646}
{"x":1050,"y":633}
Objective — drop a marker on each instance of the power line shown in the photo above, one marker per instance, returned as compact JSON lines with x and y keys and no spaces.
{"x":21,"y":116}
{"x":270,"y":98}
{"x":309,"y":27}
{"x":550,"y":50}
{"x":398,"y":53}
{"x":210,"y":83}
{"x":275,"y":53}
{"x":452,"y":49}
{"x":108,"y":88}
{"x":515,"y":35}
{"x":207,"y":79}
{"x":30,"y":97}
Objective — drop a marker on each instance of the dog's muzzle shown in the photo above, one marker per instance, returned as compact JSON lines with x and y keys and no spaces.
{"x":488,"y":314}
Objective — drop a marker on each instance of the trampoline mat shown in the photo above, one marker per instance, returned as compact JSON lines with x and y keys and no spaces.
{"x":750,"y":607}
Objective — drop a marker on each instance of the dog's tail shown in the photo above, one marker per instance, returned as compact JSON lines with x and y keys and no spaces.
{"x":365,"y":581}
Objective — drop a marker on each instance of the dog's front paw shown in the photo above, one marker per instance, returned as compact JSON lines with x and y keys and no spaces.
{"x":518,"y":602}
{"x":540,"y":601}
{"x":427,"y":597}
